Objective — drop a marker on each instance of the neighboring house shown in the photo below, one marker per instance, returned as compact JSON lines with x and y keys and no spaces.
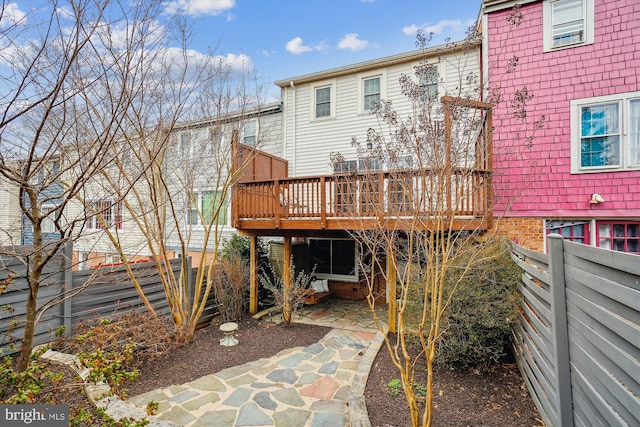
{"x":10,"y":216}
{"x":50,"y":191}
{"x":198,"y":166}
{"x":578,"y":173}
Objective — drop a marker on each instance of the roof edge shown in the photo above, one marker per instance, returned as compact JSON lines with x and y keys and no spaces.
{"x":380,"y":62}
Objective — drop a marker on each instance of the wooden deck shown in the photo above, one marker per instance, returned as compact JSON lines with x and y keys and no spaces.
{"x":267,"y":201}
{"x":399,"y":200}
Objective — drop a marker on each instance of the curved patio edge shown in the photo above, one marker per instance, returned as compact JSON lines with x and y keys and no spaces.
{"x":358,"y":415}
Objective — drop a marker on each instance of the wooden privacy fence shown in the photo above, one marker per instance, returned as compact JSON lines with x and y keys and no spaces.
{"x":107,"y":291}
{"x":578,"y":338}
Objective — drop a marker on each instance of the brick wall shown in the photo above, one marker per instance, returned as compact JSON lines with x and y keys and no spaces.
{"x":357,"y":291}
{"x":528,"y":232}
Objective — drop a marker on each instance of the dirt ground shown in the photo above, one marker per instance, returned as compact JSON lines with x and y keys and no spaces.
{"x":462,"y":397}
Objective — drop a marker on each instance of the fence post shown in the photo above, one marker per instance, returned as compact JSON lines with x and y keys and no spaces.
{"x":67,"y":279}
{"x":560,"y":331}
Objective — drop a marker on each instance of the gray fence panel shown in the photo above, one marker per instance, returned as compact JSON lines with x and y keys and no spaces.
{"x":12,"y":322}
{"x":101,"y":292}
{"x":600,"y":309}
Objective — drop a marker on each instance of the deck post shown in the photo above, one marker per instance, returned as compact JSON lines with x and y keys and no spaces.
{"x":391,"y":288}
{"x":286,"y":281}
{"x":253,"y":284}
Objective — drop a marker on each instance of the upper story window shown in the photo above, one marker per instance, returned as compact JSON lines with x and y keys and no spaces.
{"x":214,"y":142}
{"x":250,"y":133}
{"x":203,"y":206}
{"x":372,"y":92}
{"x":605,"y":133}
{"x":103,"y":214}
{"x":567,"y":23}
{"x":48,"y":225}
{"x":323,"y":102}
{"x":428,"y":82}
{"x":185,"y":143}
{"x":48,"y":171}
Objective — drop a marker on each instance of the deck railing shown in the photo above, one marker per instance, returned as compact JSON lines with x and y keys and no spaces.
{"x":380,"y":195}
{"x":332,"y":201}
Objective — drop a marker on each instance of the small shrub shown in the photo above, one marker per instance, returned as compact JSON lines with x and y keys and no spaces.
{"x":287,"y":300}
{"x":394,"y":386}
{"x":476,"y":330}
{"x":230,"y":285}
{"x":152,"y":407}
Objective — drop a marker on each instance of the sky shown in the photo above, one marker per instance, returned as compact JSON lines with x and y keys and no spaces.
{"x":288,"y":38}
{"x":278,"y":39}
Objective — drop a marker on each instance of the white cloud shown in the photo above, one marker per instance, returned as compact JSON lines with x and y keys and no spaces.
{"x":296,"y":47}
{"x":454,"y":24}
{"x":352,"y":42}
{"x":199,"y":7}
{"x":11,"y":15}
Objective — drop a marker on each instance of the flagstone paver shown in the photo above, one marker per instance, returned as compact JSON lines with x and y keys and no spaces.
{"x":302,"y":386}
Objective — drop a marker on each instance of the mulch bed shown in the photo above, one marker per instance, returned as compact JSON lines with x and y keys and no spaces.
{"x":463,"y":397}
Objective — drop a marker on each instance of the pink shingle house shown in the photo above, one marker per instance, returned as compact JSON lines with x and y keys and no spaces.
{"x":567,"y":119}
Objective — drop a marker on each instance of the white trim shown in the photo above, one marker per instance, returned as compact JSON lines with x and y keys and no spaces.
{"x":331,"y":84}
{"x":48,"y":225}
{"x":382,"y":75}
{"x":623,"y":100}
{"x":342,"y":277}
{"x":588,"y":28}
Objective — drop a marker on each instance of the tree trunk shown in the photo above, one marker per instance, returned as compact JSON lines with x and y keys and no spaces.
{"x":30,"y":321}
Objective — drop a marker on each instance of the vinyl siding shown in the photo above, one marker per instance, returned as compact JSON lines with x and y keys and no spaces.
{"x":309,"y":142}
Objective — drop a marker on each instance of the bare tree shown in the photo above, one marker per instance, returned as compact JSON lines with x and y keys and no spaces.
{"x":180,"y":205}
{"x":433,"y":202}
{"x":434,"y":205}
{"x":75,"y":88}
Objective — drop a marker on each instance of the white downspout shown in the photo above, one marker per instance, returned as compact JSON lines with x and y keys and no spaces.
{"x":293,"y":130}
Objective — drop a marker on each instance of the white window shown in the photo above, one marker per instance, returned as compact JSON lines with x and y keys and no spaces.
{"x":212,"y":144}
{"x":567,"y":23}
{"x":605,"y":133}
{"x":204,"y":205}
{"x":334,"y":259}
{"x":622,"y":236}
{"x":48,"y":225}
{"x":113,"y":259}
{"x":370,"y":164}
{"x":372,"y":92}
{"x":345,"y":166}
{"x":103,"y":214}
{"x":83,"y":260}
{"x":428,"y":82}
{"x":323,"y":102}
{"x":250,"y":133}
{"x":185,"y":143}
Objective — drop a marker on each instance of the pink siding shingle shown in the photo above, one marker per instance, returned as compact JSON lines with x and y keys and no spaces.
{"x":535,"y":173}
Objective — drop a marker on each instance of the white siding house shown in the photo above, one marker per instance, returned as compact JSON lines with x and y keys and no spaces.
{"x":323,"y":111}
{"x":10,"y":216}
{"x":199,"y":171}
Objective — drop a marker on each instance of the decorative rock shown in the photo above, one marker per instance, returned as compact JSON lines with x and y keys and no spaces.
{"x":228,"y":329}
